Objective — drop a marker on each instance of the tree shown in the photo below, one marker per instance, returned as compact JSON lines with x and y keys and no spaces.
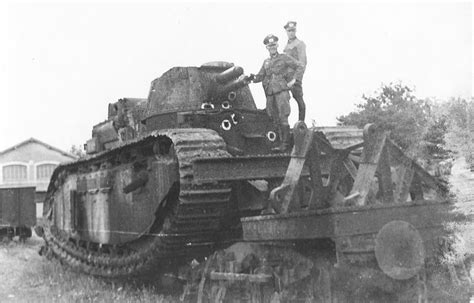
{"x":396,"y":109}
{"x":435,"y":138}
{"x":460,"y":135}
{"x":77,"y":151}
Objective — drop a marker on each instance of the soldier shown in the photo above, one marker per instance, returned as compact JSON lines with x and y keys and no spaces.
{"x":277,"y":77}
{"x":297,"y":49}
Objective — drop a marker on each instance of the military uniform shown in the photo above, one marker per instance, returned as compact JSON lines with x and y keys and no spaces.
{"x":275,"y":74}
{"x":296,"y":49}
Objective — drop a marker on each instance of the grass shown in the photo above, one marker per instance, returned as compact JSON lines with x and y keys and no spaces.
{"x":66,"y":286}
{"x":37,"y":279}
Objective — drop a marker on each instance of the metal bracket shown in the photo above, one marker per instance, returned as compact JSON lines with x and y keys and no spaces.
{"x":283,"y":194}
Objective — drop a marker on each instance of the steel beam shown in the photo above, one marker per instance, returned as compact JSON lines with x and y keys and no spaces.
{"x":341,"y":222}
{"x":247,"y":168}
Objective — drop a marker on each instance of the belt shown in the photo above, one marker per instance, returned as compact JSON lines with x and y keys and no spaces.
{"x":274,"y":76}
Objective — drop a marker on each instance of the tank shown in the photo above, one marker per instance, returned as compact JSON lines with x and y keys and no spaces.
{"x":132,"y":205}
{"x":188,"y":175}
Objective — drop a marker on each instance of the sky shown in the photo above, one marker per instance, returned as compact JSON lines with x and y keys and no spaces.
{"x":62,"y":63}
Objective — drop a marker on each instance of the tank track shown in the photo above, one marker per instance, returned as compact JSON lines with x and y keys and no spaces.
{"x":191,"y":227}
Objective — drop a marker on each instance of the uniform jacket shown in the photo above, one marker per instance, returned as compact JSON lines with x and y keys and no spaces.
{"x":277,"y":71}
{"x":297,"y":49}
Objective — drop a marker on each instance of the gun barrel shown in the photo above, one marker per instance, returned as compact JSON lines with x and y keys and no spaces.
{"x":229,"y":74}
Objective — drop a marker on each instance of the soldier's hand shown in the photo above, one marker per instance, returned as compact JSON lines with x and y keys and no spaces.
{"x":250,"y":78}
{"x":291,"y":83}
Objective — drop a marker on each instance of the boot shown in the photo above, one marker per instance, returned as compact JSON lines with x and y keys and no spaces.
{"x":285,"y":140}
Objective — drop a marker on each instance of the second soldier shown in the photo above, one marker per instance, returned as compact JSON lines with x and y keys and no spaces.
{"x":296,"y":48}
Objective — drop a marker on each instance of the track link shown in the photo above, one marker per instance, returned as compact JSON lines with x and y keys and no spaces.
{"x":194,"y":222}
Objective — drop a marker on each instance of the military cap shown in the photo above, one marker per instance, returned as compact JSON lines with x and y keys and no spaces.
{"x":290,"y":25}
{"x":270,"y":40}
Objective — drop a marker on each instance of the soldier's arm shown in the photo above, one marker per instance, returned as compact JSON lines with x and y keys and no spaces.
{"x":296,"y":65}
{"x":302,"y":53}
{"x":261,"y":74}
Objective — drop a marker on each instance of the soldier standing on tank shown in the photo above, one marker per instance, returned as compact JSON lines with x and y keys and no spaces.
{"x":296,"y":48}
{"x":278,"y":74}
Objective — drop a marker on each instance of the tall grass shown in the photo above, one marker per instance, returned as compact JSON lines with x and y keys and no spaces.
{"x":42,"y":280}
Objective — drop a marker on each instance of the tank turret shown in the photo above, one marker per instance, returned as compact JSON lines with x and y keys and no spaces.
{"x":214,"y":96}
{"x":215,"y":85}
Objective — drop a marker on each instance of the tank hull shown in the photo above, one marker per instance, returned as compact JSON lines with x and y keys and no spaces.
{"x":95,"y":226}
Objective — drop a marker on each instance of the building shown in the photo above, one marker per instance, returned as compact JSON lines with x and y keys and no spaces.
{"x":31,"y":163}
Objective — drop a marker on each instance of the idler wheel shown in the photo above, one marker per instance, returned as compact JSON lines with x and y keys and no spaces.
{"x":399,"y":250}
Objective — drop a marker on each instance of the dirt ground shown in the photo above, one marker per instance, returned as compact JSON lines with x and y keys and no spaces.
{"x":27,"y":277}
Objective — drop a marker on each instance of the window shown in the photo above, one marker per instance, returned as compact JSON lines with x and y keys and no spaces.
{"x":44,"y":171}
{"x":15,"y":172}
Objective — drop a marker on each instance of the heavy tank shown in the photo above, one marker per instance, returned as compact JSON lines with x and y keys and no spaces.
{"x":189,"y":174}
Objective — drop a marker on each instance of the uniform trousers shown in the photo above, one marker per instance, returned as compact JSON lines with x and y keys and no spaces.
{"x":278,"y":107}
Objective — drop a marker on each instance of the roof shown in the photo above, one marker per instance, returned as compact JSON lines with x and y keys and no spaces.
{"x":33,"y":140}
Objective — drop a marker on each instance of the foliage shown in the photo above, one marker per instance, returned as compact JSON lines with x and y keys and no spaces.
{"x":431,"y":130}
{"x":395,"y":108}
{"x":460,"y":135}
{"x":77,"y":151}
{"x":434,"y":139}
